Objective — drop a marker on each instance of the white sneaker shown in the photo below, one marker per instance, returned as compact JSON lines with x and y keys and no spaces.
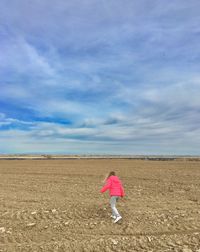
{"x":117,"y":219}
{"x":113,"y":216}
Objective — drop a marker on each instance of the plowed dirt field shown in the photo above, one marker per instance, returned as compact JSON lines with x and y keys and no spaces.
{"x":55,"y":205}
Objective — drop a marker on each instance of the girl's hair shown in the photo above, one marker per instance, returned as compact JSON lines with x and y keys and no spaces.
{"x":112,"y":173}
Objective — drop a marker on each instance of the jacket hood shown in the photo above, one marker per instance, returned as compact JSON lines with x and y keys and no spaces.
{"x":114,"y":178}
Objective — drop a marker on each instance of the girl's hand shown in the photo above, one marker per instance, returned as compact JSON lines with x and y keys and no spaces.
{"x":104,"y":180}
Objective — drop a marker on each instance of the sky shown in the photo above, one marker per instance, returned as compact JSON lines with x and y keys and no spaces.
{"x":100,"y":77}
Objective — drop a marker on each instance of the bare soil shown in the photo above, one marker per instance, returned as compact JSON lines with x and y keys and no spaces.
{"x":55,"y":205}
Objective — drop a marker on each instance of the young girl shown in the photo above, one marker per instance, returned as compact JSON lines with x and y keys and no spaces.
{"x":114,"y":185}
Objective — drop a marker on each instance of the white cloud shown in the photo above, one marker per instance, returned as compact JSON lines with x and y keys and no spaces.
{"x":22,"y":142}
{"x":6,"y":121}
{"x":21,"y":57}
{"x":15,"y":92}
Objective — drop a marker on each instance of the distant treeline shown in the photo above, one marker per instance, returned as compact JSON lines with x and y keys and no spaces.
{"x":54,"y":157}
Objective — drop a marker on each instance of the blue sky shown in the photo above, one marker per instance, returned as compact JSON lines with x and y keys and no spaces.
{"x":100,"y":77}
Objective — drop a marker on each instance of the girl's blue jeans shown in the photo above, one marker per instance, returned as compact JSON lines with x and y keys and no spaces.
{"x":113,"y":201}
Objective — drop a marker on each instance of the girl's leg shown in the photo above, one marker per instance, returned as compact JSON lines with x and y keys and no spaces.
{"x":113,"y":200}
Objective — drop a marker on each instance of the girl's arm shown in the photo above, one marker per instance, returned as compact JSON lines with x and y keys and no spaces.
{"x":104,"y":180}
{"x":106,"y":186}
{"x":122,"y":191}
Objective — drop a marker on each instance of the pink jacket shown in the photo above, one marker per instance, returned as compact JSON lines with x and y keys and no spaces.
{"x":114,"y":185}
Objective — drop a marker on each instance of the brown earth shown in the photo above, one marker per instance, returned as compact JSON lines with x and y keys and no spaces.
{"x":55,"y":205}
